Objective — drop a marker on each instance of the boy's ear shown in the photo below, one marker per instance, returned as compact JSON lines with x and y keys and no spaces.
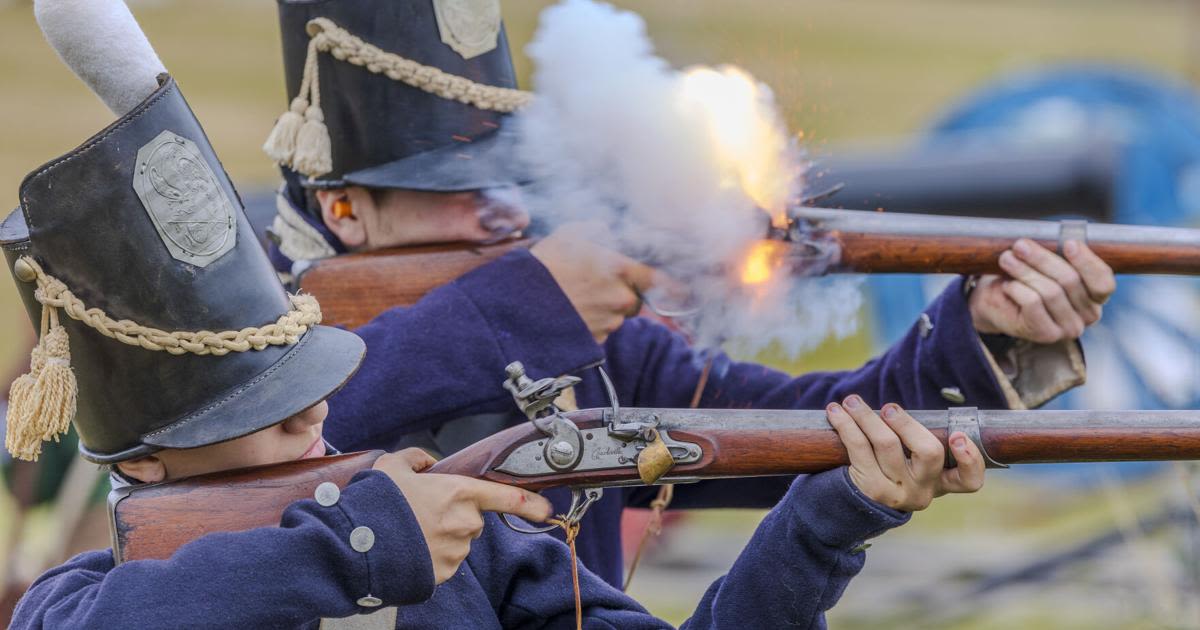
{"x":338,"y":214}
{"x":148,"y":469}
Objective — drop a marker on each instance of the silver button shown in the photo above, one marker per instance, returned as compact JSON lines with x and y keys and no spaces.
{"x":954,"y":395}
{"x":924,"y":325}
{"x":370,"y":601}
{"x":362,"y":539}
{"x":327,"y":494}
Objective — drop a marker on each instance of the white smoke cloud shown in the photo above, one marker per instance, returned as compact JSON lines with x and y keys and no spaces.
{"x":617,"y":135}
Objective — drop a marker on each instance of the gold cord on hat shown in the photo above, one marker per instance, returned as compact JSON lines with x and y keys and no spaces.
{"x":300,"y":139}
{"x":41,"y":404}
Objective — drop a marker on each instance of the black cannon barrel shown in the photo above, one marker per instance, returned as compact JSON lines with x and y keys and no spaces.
{"x":975,"y":178}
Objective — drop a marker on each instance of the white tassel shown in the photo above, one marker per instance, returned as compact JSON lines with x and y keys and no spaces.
{"x":41,"y":404}
{"x":281,"y":143}
{"x":313,"y":154}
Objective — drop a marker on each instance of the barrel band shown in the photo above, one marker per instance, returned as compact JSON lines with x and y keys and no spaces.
{"x":966,"y":419}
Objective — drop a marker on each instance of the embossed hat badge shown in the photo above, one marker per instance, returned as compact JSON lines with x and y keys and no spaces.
{"x":187,"y":204}
{"x":469,"y":27}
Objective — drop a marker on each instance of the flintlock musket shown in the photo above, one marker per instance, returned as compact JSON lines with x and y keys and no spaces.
{"x":355,"y":288}
{"x":592,"y":449}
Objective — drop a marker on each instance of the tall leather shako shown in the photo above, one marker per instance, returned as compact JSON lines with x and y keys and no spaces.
{"x":412,"y":94}
{"x":141,"y":223}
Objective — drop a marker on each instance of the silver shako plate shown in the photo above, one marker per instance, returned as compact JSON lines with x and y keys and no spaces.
{"x":187,"y":204}
{"x":469,"y":27}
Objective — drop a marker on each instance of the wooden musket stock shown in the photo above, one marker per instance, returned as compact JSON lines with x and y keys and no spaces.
{"x":355,"y":288}
{"x":153,"y":521}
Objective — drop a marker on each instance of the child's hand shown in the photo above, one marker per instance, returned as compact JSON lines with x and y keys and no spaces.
{"x":880,"y":468}
{"x":450,"y":508}
{"x":1043,"y":297}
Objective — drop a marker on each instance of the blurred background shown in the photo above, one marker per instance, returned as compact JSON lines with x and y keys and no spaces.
{"x":1095,"y":94}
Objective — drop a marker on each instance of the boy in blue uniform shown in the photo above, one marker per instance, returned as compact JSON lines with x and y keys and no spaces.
{"x":139,"y":232}
{"x":562,"y":306}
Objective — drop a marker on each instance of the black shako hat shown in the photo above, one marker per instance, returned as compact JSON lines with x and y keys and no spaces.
{"x":134,"y":247}
{"x":397,"y":94}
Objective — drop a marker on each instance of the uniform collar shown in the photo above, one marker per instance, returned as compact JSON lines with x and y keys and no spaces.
{"x":298,"y":237}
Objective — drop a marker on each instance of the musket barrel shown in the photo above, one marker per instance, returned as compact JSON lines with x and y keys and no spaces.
{"x":1091,"y":436}
{"x":755,"y":442}
{"x":1008,"y":437}
{"x":886,"y":242}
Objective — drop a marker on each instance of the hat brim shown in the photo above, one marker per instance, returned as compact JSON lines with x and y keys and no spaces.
{"x":486,"y":162}
{"x":316,"y":367}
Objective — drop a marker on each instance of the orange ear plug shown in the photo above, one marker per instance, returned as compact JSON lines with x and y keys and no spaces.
{"x":342,"y":209}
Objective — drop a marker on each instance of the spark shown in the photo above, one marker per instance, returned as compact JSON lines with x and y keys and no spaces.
{"x":746,"y":136}
{"x":763,"y":259}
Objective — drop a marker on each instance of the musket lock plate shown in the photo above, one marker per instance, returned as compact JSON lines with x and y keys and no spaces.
{"x":564,"y":448}
{"x":602,"y":451}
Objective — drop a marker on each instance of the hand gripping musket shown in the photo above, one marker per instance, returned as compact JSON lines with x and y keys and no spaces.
{"x":592,"y":449}
{"x":355,"y":288}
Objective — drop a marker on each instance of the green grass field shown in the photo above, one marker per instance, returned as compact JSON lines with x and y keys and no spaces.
{"x":864,"y":68}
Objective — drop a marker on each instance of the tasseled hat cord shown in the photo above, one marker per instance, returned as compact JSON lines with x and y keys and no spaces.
{"x":41,"y":404}
{"x":300,"y":140}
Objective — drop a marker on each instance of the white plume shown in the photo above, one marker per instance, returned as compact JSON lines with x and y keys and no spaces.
{"x":103,"y":45}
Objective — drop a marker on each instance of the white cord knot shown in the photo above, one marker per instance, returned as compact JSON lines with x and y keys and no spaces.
{"x":42,"y":402}
{"x":300,"y":144}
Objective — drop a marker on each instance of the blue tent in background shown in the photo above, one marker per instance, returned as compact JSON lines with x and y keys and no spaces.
{"x":1146,"y":351}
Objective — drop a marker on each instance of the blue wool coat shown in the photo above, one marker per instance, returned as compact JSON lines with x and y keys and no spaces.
{"x":794,"y":568}
{"x":443,"y":359}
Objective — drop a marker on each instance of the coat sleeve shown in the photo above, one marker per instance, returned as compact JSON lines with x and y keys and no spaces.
{"x":527,"y":579}
{"x":444,"y":357}
{"x":793,"y":569}
{"x":944,"y":354}
{"x":800,"y":560}
{"x":269,"y":577}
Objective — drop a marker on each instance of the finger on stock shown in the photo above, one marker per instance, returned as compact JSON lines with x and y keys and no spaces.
{"x":858,"y":447}
{"x":926,"y":453}
{"x":1096,"y":274}
{"x":1039,"y":326}
{"x":418,"y":459}
{"x":497,"y":497}
{"x":889,"y":451}
{"x":1052,"y":295}
{"x":967,"y":474}
{"x":1060,"y":270}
